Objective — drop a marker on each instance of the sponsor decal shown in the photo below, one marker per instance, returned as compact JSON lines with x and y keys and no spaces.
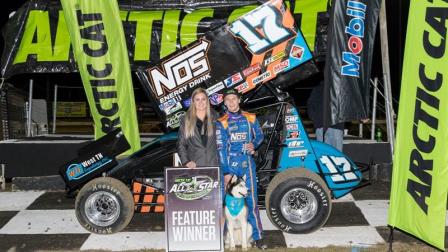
{"x":170,"y":106}
{"x":79,"y":170}
{"x":355,"y":31}
{"x":252,"y":69}
{"x":274,"y":58}
{"x":298,"y":153}
{"x":267,"y":125}
{"x":181,"y":70}
{"x":261,"y":29}
{"x":292,"y":127}
{"x":174,"y":120}
{"x":174,"y":108}
{"x":74,"y":171}
{"x":193,"y":188}
{"x":187,"y":102}
{"x":237,"y":137}
{"x":291,"y":119}
{"x":340,"y":168}
{"x":295,"y":144}
{"x":233,"y":128}
{"x":293,"y":134}
{"x":218,"y":144}
{"x":215,"y":88}
{"x":289,"y":110}
{"x":297,"y":52}
{"x":281,"y":66}
{"x":232,"y":80}
{"x":216,"y":99}
{"x":261,"y":78}
{"x":242,"y":87}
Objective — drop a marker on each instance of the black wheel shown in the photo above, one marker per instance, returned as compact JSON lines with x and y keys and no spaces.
{"x":104,"y":206}
{"x":298,"y":201}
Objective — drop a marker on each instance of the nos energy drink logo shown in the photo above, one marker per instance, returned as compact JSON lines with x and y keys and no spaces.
{"x":355,"y":29}
{"x":192,"y":188}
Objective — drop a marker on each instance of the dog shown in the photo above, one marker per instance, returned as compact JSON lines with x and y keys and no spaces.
{"x":239,"y":231}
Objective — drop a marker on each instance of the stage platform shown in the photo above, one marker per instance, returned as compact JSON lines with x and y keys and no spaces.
{"x":42,"y":155}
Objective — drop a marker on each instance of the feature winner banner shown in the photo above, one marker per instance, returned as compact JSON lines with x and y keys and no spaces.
{"x":242,"y":55}
{"x":420,"y":169}
{"x":101,"y":55}
{"x":193,"y":209}
{"x":348,"y":60}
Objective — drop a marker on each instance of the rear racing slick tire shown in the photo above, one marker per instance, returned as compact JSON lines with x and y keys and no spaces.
{"x":298,"y":201}
{"x":104,"y":206}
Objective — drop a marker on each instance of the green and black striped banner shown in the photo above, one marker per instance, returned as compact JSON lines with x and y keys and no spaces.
{"x":100,"y":51}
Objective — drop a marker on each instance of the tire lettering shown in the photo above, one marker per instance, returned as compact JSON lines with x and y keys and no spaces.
{"x":311,"y":184}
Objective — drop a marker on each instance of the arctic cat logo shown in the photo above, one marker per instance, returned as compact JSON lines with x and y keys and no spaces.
{"x":193,"y":188}
{"x":181,"y":69}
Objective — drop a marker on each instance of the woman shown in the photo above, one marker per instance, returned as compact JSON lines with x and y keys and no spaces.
{"x":196,"y":143}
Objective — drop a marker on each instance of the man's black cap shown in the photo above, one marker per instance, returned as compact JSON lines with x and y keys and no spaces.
{"x":231,"y":91}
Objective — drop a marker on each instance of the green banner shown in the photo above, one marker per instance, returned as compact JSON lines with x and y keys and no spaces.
{"x":37,"y":40}
{"x":420,"y":168}
{"x":100,"y":51}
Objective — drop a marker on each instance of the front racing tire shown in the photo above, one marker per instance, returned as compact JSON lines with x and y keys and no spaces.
{"x":104,"y":206}
{"x":298,"y":201}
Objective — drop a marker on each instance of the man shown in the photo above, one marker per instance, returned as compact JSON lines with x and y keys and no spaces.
{"x":238,"y":134}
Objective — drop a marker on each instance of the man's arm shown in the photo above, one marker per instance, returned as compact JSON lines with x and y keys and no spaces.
{"x":257,"y":133}
{"x":221,"y":143}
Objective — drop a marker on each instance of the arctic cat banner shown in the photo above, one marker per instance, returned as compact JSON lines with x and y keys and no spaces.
{"x":101,"y":55}
{"x":348,"y":60}
{"x":420,"y":169}
{"x":37,"y":38}
{"x":242,"y":55}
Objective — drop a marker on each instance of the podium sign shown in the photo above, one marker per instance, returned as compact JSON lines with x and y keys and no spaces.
{"x":193,"y":209}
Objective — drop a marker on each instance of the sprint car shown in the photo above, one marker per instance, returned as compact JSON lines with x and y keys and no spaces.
{"x":297,"y":177}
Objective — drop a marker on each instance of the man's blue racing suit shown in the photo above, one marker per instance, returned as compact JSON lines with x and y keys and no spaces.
{"x":233,"y":131}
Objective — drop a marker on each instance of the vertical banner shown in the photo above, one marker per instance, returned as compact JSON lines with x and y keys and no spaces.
{"x":348,"y":60}
{"x":100,"y":51}
{"x":193,"y":209}
{"x":420,"y":169}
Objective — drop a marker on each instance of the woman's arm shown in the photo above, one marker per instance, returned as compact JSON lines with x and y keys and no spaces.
{"x":182,"y":143}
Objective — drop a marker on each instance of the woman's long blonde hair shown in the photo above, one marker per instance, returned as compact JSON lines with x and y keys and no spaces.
{"x":190,"y":116}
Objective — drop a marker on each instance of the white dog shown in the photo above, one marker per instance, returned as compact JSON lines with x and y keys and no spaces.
{"x":239,"y":231}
